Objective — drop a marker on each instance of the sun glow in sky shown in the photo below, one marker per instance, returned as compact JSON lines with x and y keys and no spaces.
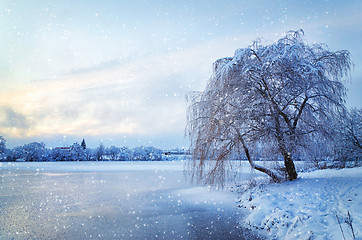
{"x":118,"y":71}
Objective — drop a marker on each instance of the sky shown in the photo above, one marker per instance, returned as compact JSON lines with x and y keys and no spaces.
{"x":117,"y":72}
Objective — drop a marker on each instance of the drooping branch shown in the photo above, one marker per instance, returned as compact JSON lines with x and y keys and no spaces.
{"x":269,"y":172}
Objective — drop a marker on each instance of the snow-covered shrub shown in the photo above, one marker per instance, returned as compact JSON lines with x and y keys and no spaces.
{"x":125,"y":154}
{"x":146,"y":154}
{"x":112,"y":153}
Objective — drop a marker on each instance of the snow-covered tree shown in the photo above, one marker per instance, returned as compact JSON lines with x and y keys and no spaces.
{"x":348,"y":141}
{"x":2,"y":144}
{"x":113,"y":152}
{"x":60,"y":154}
{"x":147,"y":154}
{"x":275,"y":95}
{"x":34,"y":151}
{"x":100,"y":152}
{"x":90,"y":154}
{"x":77,"y":153}
{"x":125,"y":154}
{"x":2,"y":148}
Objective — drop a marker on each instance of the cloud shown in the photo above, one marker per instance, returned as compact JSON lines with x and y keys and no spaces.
{"x":138,"y":97}
{"x":11,"y":119}
{"x":13,"y":123}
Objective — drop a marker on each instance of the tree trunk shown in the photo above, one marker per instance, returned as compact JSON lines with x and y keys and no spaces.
{"x":289,"y":166}
{"x":288,"y":161}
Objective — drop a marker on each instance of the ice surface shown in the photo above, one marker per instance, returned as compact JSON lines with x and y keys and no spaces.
{"x":112,"y":200}
{"x":95,"y":166}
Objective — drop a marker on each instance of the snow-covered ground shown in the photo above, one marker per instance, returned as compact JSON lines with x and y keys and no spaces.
{"x":315,"y":206}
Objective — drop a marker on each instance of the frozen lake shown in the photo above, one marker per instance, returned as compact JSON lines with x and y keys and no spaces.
{"x":112,"y":200}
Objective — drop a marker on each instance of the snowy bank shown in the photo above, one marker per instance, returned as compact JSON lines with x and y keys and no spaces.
{"x":315,"y":206}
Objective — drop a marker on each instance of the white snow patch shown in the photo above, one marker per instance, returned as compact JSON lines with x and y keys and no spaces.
{"x":308,"y":207}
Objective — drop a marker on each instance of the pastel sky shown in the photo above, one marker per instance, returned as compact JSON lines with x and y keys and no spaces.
{"x":117,"y":72}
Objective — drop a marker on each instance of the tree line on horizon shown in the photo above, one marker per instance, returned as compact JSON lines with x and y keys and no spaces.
{"x":37,"y":151}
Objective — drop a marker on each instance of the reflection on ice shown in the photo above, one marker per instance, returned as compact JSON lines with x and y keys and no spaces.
{"x":116,"y":202}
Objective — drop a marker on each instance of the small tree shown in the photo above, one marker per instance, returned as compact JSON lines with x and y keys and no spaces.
{"x":100,"y":152}
{"x":2,"y":148}
{"x":2,"y":144}
{"x":84,"y":146}
{"x":113,"y":152}
{"x":275,"y":96}
{"x":348,"y":141}
{"x":90,"y":154}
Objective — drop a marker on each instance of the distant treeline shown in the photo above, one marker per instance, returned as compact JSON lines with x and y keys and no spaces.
{"x":37,"y":151}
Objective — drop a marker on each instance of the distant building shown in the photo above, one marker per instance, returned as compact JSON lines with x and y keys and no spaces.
{"x":176,"y":152}
{"x":64,"y":149}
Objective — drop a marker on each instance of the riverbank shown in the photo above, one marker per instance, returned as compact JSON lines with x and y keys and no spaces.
{"x":323,"y":204}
